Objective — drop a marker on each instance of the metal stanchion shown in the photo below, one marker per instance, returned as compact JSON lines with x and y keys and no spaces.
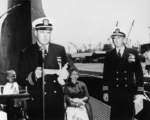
{"x":43,"y":82}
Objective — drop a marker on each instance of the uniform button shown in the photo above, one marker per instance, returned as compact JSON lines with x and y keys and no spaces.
{"x":54,"y":81}
{"x":125,"y":71}
{"x":45,"y":93}
{"x":125,"y":78}
{"x":55,"y":91}
{"x":117,"y":79}
{"x":126,"y":85}
{"x":117,"y":85}
{"x":117,"y":72}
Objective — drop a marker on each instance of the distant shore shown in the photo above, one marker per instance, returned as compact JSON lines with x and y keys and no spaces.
{"x":97,"y":68}
{"x":90,"y":69}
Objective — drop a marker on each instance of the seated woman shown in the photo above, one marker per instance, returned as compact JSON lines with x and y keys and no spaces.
{"x":77,"y":99}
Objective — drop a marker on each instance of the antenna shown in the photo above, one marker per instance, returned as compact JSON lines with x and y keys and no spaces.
{"x":132,"y":24}
{"x":117,"y":24}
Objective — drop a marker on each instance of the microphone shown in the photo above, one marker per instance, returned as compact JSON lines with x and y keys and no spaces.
{"x":59,"y":60}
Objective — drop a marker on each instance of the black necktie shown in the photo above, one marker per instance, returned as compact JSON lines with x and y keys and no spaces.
{"x":119,"y":53}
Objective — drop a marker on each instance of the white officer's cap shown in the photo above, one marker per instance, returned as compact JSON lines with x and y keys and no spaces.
{"x":117,"y":32}
{"x":42,"y":24}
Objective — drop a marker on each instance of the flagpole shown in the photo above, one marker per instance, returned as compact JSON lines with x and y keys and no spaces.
{"x":117,"y":24}
{"x":130,"y":29}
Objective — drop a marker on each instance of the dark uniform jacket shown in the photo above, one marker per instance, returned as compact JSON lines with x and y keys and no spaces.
{"x":31,"y":58}
{"x":123,"y":78}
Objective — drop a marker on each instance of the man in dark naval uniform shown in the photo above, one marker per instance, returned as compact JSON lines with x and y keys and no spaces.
{"x":123,"y":78}
{"x":30,"y":73}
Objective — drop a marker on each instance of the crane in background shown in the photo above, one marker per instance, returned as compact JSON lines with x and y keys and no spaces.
{"x":75,"y":46}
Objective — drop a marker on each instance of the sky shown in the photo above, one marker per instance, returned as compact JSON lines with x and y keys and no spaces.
{"x":93,"y":21}
{"x":3,"y":9}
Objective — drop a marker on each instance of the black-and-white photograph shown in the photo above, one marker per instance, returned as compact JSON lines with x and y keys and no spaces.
{"x":74,"y":59}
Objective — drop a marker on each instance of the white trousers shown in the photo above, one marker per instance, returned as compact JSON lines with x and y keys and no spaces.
{"x":77,"y":113}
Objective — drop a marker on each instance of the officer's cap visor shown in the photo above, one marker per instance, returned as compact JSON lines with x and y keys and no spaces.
{"x":43,"y":27}
{"x":120,"y":34}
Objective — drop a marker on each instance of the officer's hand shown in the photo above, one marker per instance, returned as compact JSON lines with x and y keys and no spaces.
{"x":106,"y":97}
{"x":139,"y":96}
{"x":38,"y":72}
{"x":63,"y":74}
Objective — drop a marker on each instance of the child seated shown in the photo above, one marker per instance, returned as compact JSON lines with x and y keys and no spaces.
{"x":11,"y":87}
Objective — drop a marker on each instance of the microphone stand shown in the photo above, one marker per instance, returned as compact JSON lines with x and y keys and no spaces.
{"x":43,"y":83}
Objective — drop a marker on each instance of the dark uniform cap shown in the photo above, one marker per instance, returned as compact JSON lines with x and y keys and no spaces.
{"x":42,"y":24}
{"x":118,"y":33}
